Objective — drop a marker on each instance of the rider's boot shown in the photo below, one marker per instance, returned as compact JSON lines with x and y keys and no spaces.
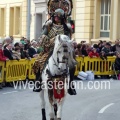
{"x":72,"y":90}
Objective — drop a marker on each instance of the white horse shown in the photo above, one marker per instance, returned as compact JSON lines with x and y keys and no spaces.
{"x":58,"y":65}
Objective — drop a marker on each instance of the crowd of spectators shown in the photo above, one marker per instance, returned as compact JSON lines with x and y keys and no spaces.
{"x":20,"y":50}
{"x":26,"y":49}
{"x":101,"y":49}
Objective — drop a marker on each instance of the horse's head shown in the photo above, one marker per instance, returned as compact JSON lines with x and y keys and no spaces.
{"x":62,"y":51}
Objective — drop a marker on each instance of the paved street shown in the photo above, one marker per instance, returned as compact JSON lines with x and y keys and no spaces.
{"x":87,"y":105}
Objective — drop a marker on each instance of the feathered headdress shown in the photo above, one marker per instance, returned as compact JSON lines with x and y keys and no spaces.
{"x":65,"y":5}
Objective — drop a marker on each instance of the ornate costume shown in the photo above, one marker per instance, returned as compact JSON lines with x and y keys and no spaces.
{"x":52,"y":28}
{"x":56,"y":25}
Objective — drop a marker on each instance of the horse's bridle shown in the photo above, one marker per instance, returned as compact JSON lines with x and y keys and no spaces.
{"x":66,"y":72}
{"x":63,"y":59}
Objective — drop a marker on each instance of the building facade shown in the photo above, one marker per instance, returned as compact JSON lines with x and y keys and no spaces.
{"x":94,"y":19}
{"x":39,"y":16}
{"x":97,"y":20}
{"x":13,"y":18}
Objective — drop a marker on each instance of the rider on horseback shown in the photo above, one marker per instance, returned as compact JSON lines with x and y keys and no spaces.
{"x":56,"y":25}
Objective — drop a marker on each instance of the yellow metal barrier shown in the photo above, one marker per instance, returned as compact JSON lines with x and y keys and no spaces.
{"x":16,"y":70}
{"x":99,"y":66}
{"x":80,"y":64}
{"x":2,"y":66}
{"x":30,"y":73}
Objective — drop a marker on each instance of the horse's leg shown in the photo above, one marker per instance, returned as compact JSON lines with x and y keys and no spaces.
{"x":55,"y":109}
{"x":52,"y":115}
{"x":43,"y":105}
{"x":59,"y":109}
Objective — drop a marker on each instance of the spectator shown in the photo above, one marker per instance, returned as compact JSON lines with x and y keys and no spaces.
{"x":27,"y":44}
{"x":17,"y":45}
{"x":104,"y":43}
{"x":117,"y":61}
{"x":107,"y":50}
{"x":24,"y":53}
{"x":22,"y":40}
{"x":88,"y":48}
{"x":32,"y":50}
{"x":12,"y":39}
{"x":78,"y":50}
{"x":7,"y":40}
{"x":103,"y":55}
{"x":100,"y":46}
{"x":83,"y":50}
{"x":34,"y":45}
{"x":116,"y":47}
{"x":17,"y":54}
{"x":97,"y":48}
{"x":8,"y":52}
{"x":100,"y":42}
{"x":93,"y":53}
{"x":2,"y":57}
{"x":83,"y":42}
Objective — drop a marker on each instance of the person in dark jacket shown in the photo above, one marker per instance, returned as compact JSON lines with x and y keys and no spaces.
{"x":107,"y":50}
{"x":116,"y":47}
{"x":27,"y":44}
{"x":8,"y":52}
{"x":24,"y":53}
{"x":32,"y":51}
{"x":117,"y":61}
{"x":78,"y":50}
{"x":83,"y":50}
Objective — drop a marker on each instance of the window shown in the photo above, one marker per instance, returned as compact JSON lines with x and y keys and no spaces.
{"x":15,"y":21}
{"x":2,"y":21}
{"x":105,"y":18}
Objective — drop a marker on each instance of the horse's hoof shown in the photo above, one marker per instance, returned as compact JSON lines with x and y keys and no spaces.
{"x":51,"y":118}
{"x":58,"y":118}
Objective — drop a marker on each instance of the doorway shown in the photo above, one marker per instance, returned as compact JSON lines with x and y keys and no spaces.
{"x":38,"y":26}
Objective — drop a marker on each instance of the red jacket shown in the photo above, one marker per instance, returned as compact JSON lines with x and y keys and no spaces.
{"x":91,"y":54}
{"x":2,"y":57}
